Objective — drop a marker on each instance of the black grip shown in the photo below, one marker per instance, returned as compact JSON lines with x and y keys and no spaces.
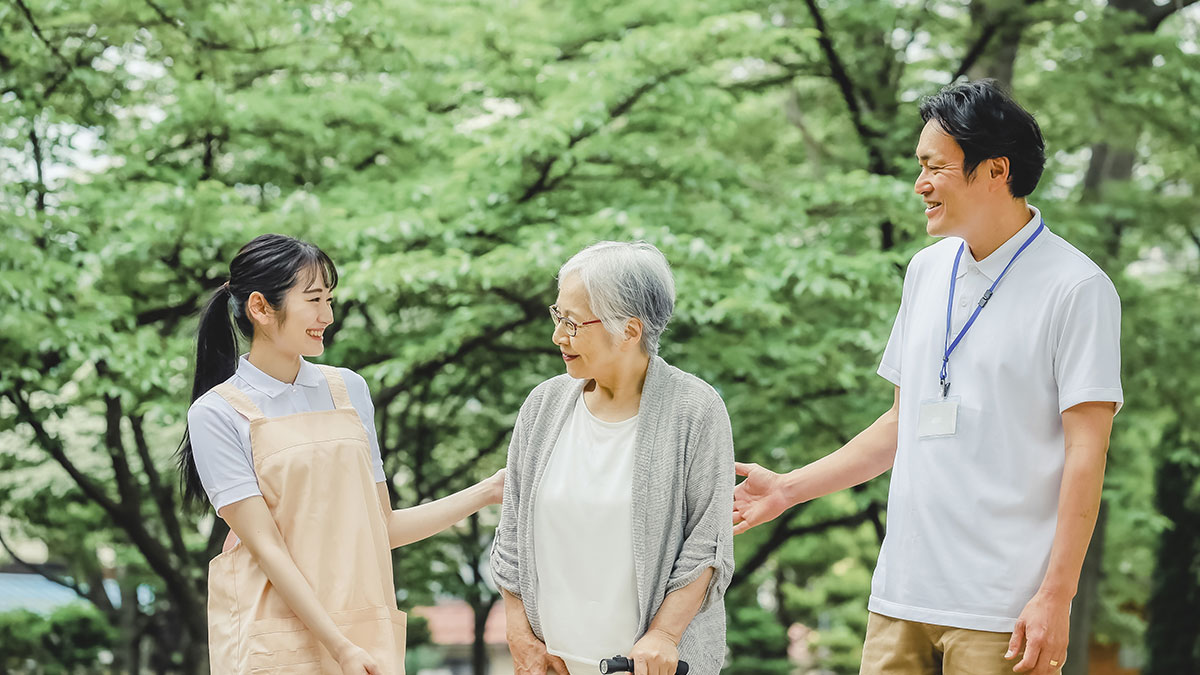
{"x":620,"y":664}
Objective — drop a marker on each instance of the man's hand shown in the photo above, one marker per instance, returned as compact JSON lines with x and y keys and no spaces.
{"x":757,"y":499}
{"x":655,"y":654}
{"x":1042,"y":633}
{"x":530,"y":656}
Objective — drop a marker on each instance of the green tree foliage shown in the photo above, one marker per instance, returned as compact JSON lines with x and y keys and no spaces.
{"x":69,"y":640}
{"x":451,"y":155}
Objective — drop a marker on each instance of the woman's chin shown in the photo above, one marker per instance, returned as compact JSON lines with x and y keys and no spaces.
{"x":574,"y":369}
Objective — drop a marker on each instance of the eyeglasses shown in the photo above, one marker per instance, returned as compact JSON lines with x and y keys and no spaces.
{"x":568,"y":325}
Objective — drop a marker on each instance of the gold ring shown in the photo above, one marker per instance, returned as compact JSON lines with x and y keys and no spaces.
{"x":1053,"y":663}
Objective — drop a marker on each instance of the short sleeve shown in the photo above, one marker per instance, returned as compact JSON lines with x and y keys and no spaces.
{"x":1087,"y":359}
{"x":360,"y":396}
{"x":221,"y":453}
{"x":889,"y":365}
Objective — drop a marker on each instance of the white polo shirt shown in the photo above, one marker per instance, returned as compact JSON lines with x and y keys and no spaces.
{"x":221,"y":436}
{"x":971,"y":517}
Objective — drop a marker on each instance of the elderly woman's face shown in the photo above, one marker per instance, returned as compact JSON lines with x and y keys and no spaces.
{"x":593,"y":350}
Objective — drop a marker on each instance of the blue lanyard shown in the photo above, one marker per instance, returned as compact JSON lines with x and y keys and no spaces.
{"x":987,"y":295}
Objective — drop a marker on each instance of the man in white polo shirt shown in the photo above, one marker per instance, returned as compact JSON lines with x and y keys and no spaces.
{"x":1005,"y":356}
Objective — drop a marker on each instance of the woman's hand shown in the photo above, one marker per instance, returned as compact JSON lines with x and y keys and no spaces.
{"x":495,"y":486}
{"x":655,"y":654}
{"x":354,"y":660}
{"x":530,"y":656}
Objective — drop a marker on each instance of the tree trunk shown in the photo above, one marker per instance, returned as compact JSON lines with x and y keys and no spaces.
{"x":1173,"y":631}
{"x":129,"y":654}
{"x":481,"y":602}
{"x":1000,"y":23}
{"x":1083,"y":608}
{"x":479,"y":655}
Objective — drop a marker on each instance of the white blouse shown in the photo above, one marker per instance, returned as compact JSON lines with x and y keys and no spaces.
{"x":221,"y":436}
{"x":583,"y":542}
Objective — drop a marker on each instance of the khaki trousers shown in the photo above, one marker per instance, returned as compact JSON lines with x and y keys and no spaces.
{"x":898,"y":647}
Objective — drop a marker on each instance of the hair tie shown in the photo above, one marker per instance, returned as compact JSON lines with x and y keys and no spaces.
{"x":225,"y":285}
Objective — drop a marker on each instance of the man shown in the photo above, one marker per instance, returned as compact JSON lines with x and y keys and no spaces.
{"x":1005,"y":360}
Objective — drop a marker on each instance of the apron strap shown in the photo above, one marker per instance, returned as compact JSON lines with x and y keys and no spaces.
{"x":337,"y":387}
{"x":239,"y":400}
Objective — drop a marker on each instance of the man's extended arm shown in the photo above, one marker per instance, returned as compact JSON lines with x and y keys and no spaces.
{"x":765,"y":494}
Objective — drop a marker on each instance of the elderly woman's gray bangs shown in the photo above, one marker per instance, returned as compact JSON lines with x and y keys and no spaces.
{"x":626,"y":280}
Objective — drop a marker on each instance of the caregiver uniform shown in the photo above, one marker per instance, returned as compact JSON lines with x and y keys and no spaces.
{"x":314,"y":469}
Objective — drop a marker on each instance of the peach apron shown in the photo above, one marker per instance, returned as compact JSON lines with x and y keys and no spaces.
{"x":314,"y":471}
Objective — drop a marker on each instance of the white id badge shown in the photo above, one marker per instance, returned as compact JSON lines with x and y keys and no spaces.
{"x":938,"y":418}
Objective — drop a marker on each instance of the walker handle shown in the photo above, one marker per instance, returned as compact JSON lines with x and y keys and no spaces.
{"x":620,"y":664}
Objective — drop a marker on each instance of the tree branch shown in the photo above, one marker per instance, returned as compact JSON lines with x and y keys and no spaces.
{"x":986,"y":34}
{"x":53,"y":447}
{"x":427,"y":368}
{"x":571,"y":50}
{"x":41,"y":571}
{"x":127,"y":485}
{"x":38,"y":161}
{"x":123,"y":517}
{"x":836,"y":68}
{"x":976,"y":50}
{"x":163,"y":495}
{"x":778,"y":537}
{"x":1152,"y":13}
{"x":179,"y":25}
{"x":784,"y":531}
{"x":461,"y":470}
{"x":38,"y":32}
{"x":542,"y":184}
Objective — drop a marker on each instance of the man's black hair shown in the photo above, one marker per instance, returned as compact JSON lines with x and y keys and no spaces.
{"x":987,"y":123}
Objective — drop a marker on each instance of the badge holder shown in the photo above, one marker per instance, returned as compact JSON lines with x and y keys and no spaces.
{"x":938,"y":417}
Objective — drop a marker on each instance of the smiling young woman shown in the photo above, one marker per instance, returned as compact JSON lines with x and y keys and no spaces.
{"x":287,"y":453}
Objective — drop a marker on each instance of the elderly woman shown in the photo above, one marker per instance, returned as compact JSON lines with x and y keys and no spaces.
{"x":615,"y":535}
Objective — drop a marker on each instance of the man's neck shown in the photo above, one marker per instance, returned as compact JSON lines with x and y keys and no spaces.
{"x":999,"y":228}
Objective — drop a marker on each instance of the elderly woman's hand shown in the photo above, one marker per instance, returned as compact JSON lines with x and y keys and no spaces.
{"x":530,"y":657}
{"x":655,"y":654}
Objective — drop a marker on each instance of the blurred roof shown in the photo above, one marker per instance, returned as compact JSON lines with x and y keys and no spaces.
{"x":453,"y":623}
{"x":33,"y":592}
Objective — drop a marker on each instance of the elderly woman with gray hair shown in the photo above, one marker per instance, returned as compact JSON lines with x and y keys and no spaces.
{"x":615,"y":535}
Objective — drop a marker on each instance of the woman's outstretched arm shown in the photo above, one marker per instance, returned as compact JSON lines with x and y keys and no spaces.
{"x":418,"y":522}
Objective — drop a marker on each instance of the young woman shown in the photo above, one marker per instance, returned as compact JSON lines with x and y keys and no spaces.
{"x":286,"y":451}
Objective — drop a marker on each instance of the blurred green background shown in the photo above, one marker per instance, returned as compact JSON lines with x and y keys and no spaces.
{"x":450,"y":156}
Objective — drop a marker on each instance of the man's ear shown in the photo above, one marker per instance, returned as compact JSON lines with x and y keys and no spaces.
{"x":997,"y":172}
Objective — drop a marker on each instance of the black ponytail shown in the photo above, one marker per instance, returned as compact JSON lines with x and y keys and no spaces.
{"x":270,"y":264}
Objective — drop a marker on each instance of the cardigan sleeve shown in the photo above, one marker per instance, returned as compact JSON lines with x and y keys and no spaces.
{"x":708,"y":530}
{"x":505,"y":559}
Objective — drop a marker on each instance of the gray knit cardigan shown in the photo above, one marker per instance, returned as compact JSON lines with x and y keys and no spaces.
{"x":682,"y":500}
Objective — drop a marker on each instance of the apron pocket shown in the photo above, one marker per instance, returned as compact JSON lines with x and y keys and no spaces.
{"x":282,"y":646}
{"x":400,"y":629}
{"x":379,"y":630}
{"x":224,"y":614}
